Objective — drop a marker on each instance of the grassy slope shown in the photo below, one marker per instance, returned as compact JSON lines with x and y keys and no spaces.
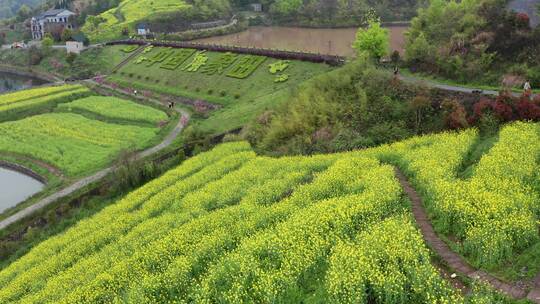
{"x":127,"y":14}
{"x":92,"y":62}
{"x":241,"y":98}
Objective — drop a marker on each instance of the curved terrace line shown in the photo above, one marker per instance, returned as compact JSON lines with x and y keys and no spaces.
{"x":48,"y":77}
{"x":454,"y":260}
{"x":23,"y":170}
{"x":50,"y":168}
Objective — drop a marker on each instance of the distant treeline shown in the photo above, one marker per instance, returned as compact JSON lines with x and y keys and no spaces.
{"x":334,"y":12}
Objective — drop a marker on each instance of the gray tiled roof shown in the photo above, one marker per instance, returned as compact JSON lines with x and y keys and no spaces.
{"x":51,"y":13}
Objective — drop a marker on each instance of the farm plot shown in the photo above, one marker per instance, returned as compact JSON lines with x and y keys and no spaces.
{"x":127,"y":14}
{"x":494,"y":213}
{"x":231,"y":227}
{"x":71,"y":142}
{"x":115,"y":110}
{"x":35,"y":101}
{"x":228,"y":226}
{"x":23,"y":95}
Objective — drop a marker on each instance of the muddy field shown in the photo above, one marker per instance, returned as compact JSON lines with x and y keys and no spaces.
{"x":324,"y":41}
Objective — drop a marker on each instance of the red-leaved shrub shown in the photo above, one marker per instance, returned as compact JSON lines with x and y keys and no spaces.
{"x":522,"y":20}
{"x":456,"y":115}
{"x":528,"y":110}
{"x":482,"y":107}
{"x":503,"y":111}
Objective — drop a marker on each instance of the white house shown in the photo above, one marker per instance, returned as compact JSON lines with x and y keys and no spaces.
{"x":143,"y":29}
{"x":52,"y":19}
{"x":256,"y":7}
{"x":74,"y":47}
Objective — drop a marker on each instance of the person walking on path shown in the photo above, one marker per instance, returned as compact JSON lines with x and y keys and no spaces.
{"x":527,"y":89}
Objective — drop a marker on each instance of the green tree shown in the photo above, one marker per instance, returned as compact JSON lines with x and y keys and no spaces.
{"x":66,"y":34}
{"x":94,"y":21}
{"x":46,"y":44}
{"x":374,"y":40}
{"x":24,"y":12}
{"x":70,"y":58}
{"x":419,"y":105}
{"x":418,"y":49}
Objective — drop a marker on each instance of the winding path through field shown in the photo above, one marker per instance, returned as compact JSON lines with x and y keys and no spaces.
{"x":97,"y":176}
{"x":454,"y":260}
{"x":450,"y":88}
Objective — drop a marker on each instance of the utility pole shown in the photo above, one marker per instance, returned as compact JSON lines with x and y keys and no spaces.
{"x":329,"y":47}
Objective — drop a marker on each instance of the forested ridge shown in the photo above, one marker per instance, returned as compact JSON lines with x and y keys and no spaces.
{"x":311,"y":12}
{"x":474,"y":41}
{"x":9,"y":8}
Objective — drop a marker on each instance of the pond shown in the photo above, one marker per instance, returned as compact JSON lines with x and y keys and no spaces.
{"x":324,"y":41}
{"x":16,"y":187}
{"x":13,"y":82}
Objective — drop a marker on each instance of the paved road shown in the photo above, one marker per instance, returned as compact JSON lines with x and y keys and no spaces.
{"x":451,"y":88}
{"x":85,"y":48}
{"x":96,"y":177}
{"x":38,"y":44}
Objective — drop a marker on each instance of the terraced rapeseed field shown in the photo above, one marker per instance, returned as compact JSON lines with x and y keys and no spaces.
{"x":128,"y":13}
{"x":115,"y":109}
{"x":494,"y":213}
{"x":34,"y":101}
{"x":71,"y":142}
{"x":71,"y":130}
{"x":34,"y":93}
{"x":229,"y":226}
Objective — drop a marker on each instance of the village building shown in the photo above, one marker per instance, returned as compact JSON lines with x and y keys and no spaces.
{"x":51,"y":21}
{"x":75,"y":47}
{"x":143,"y":29}
{"x":77,"y":43}
{"x":256,"y":7}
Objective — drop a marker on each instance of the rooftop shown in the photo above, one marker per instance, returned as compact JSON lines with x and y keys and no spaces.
{"x":53,"y":13}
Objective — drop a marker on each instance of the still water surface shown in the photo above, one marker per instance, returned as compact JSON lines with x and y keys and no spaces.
{"x":324,"y":41}
{"x":12,"y":82}
{"x":16,"y":187}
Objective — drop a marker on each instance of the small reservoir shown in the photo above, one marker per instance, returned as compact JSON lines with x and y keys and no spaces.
{"x":13,"y":82}
{"x":16,"y":187}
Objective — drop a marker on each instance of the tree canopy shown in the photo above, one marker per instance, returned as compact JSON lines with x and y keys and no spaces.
{"x":373,"y":40}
